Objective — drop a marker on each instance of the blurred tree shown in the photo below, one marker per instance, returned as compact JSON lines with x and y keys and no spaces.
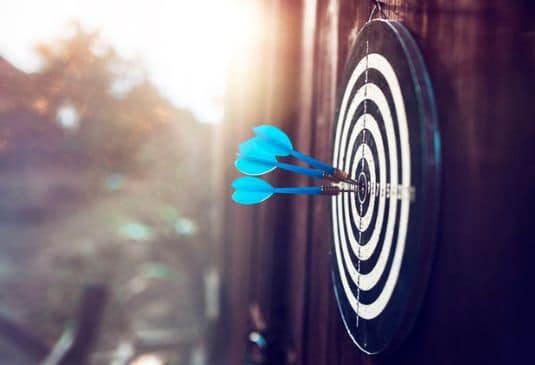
{"x":102,"y":177}
{"x":84,"y":73}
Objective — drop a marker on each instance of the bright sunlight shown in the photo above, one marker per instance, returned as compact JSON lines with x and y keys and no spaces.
{"x":185,"y":46}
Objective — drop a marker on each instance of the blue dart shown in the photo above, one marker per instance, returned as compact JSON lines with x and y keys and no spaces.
{"x":254,"y":161}
{"x":274,"y":141}
{"x":277,"y":142}
{"x":253,"y":190}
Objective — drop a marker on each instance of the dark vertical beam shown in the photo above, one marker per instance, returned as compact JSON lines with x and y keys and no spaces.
{"x":91,"y":311}
{"x":277,"y":266}
{"x":324,"y":94}
{"x":300,"y":248}
{"x":262,"y":89}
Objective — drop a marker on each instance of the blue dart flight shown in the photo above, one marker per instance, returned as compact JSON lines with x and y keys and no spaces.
{"x":253,"y":190}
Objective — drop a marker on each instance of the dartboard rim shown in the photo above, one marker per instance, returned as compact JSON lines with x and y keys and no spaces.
{"x":431,"y":161}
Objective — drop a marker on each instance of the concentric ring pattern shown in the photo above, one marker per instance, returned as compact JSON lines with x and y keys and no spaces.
{"x":386,"y":138}
{"x":371,"y":233}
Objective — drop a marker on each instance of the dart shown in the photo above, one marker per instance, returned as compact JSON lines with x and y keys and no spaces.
{"x":253,"y":190}
{"x":254,"y":161}
{"x":273,"y":140}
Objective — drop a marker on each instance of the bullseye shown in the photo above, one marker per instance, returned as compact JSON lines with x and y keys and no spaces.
{"x":362,"y":183}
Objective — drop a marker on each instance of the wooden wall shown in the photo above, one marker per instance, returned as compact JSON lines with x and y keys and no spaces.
{"x":478,"y":309}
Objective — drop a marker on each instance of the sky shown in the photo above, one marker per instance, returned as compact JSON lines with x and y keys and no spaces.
{"x":185,"y":45}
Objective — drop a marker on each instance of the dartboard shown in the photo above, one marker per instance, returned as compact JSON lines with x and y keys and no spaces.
{"x":386,"y":137}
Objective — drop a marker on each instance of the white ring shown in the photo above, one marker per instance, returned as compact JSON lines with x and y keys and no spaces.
{"x":366,"y":182}
{"x":366,"y":250}
{"x":381,"y":64}
{"x":369,"y":280}
{"x":364,"y":221}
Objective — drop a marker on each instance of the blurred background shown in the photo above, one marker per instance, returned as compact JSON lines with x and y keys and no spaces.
{"x":119,"y":125}
{"x":108,"y":117}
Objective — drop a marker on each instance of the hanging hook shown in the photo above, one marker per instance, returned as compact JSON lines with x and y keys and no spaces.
{"x":377,"y":7}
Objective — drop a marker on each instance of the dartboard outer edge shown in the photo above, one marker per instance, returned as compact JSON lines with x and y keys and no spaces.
{"x":431,"y":160}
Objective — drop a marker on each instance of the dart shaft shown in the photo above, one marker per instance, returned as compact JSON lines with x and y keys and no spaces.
{"x":313,"y":162}
{"x":307,"y":190}
{"x":317,"y":190}
{"x":316,"y":174}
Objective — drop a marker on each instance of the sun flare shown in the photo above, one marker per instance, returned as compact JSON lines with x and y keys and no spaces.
{"x":184,"y":45}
